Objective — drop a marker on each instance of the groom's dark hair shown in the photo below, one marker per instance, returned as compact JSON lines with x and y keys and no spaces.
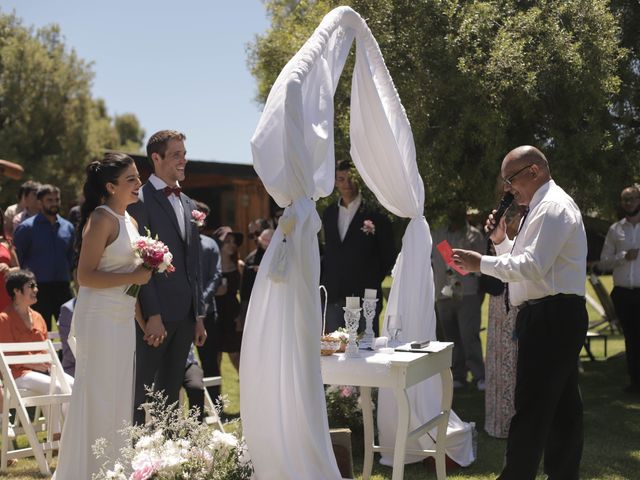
{"x":158,"y":142}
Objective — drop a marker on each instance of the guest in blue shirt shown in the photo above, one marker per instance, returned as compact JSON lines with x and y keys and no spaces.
{"x":45,"y":245}
{"x":211,"y":280}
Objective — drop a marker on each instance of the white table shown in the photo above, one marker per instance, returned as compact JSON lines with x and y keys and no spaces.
{"x":398,"y":371}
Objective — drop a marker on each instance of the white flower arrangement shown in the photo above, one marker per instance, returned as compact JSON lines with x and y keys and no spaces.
{"x":174,"y":447}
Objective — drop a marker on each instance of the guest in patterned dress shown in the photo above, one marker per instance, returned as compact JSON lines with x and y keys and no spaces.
{"x":500,"y":367}
{"x":501,"y":358}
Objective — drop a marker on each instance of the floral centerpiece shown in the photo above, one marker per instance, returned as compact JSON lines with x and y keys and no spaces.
{"x":154,"y":255}
{"x":174,"y":447}
{"x":342,"y":335}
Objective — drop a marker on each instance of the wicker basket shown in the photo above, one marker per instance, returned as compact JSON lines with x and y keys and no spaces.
{"x":329,"y":345}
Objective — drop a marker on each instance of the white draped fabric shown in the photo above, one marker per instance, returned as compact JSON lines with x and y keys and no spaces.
{"x":282,"y":398}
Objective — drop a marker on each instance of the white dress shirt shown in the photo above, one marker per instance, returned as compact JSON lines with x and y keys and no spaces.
{"x":549,"y":255}
{"x":174,"y":200}
{"x":621,"y":237}
{"x":346,"y":214}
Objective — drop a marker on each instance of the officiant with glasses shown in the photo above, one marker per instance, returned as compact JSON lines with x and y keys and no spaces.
{"x":545,"y":267}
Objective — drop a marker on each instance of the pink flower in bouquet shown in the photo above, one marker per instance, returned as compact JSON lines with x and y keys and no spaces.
{"x":198,"y":217}
{"x":144,"y":471}
{"x":154,"y":255}
{"x":368,"y":227}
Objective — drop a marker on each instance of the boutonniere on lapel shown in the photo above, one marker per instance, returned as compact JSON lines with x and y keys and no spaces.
{"x":198,"y":218}
{"x":368,"y":227}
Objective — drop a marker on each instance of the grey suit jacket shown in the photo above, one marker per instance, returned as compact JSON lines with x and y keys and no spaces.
{"x":176,"y":295}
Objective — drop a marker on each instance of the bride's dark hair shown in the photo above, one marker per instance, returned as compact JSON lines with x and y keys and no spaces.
{"x":99,"y":173}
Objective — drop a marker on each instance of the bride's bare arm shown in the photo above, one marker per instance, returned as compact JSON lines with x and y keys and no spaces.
{"x":100,"y":230}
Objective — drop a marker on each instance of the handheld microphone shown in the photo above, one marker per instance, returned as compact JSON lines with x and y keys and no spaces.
{"x":503,"y":206}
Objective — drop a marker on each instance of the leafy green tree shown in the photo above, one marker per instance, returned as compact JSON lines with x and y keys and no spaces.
{"x":130,"y":133}
{"x":49,"y":121}
{"x":478,"y":78}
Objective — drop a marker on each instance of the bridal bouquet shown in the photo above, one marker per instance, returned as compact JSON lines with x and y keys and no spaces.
{"x":154,"y":255}
{"x":174,"y":447}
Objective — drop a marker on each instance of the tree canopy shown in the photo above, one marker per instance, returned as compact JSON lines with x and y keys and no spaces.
{"x":478,"y":78}
{"x":49,"y":121}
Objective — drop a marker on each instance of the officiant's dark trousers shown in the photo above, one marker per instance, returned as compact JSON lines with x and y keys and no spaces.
{"x":548,"y":418}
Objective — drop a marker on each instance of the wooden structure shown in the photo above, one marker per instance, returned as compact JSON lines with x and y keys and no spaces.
{"x":233,"y":191}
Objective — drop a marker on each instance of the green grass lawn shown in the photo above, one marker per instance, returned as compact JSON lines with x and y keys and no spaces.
{"x":612,"y":424}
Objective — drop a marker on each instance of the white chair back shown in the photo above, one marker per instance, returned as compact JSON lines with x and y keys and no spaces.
{"x":20,"y":400}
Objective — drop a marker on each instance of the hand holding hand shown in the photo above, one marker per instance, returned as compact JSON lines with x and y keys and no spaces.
{"x":499,"y":233}
{"x":154,"y":331}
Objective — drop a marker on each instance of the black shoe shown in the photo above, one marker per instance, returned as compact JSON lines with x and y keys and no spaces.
{"x":633,"y":388}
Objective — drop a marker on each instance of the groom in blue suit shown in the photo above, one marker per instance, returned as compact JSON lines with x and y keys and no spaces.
{"x":172,"y":307}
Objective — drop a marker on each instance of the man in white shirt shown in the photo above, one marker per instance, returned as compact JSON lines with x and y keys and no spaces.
{"x":545,"y":266}
{"x":359,"y":249}
{"x":620,"y":254}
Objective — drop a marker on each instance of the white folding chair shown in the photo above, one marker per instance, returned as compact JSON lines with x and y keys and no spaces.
{"x":20,"y":400}
{"x":212,"y":417}
{"x":55,"y":339}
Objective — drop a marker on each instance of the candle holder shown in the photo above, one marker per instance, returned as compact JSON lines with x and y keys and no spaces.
{"x":369,"y":311}
{"x":351,"y":320}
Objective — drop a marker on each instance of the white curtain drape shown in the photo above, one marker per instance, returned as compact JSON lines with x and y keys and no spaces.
{"x":282,"y":398}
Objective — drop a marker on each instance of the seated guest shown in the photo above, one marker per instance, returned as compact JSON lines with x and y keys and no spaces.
{"x":64,"y":327}
{"x":193,"y":383}
{"x":19,"y":323}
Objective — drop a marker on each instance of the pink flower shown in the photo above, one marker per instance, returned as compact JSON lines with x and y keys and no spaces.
{"x":155,"y":256}
{"x":368,"y":227}
{"x":198,"y":217}
{"x":144,"y":471}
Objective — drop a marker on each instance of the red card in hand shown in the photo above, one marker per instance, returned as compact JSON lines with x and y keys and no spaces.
{"x":447,"y":254}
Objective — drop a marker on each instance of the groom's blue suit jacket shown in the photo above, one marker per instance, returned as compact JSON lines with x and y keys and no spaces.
{"x":178,"y":294}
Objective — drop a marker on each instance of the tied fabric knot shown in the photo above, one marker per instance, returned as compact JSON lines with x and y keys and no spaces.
{"x":169,"y":190}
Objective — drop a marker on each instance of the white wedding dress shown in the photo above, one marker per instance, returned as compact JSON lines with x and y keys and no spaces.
{"x":102,"y":400}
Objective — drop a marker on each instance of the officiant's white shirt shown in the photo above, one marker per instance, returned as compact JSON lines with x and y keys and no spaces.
{"x":549,"y":254}
{"x":174,"y":200}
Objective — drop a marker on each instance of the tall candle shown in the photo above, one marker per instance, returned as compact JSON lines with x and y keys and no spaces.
{"x":353,"y":302}
{"x":370,"y":293}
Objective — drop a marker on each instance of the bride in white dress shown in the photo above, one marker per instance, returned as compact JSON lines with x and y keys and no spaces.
{"x":103,"y":319}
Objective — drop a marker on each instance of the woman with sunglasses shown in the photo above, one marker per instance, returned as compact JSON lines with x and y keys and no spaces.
{"x":20,"y":323}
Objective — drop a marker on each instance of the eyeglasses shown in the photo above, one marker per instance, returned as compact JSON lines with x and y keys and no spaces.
{"x":508,"y":180}
{"x":629,"y":199}
{"x":32,"y":285}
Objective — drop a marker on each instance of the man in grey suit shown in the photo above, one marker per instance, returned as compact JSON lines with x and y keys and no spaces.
{"x":171,"y":304}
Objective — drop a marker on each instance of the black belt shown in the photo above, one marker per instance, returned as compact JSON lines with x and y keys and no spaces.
{"x":558,"y":296}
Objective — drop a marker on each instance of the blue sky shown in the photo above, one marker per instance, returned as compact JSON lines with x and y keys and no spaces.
{"x":179,"y":65}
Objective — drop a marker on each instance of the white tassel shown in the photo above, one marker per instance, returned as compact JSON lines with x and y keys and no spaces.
{"x":279,"y":263}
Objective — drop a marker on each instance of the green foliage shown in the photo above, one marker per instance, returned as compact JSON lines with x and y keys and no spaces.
{"x":478,"y":78}
{"x":49,"y":122}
